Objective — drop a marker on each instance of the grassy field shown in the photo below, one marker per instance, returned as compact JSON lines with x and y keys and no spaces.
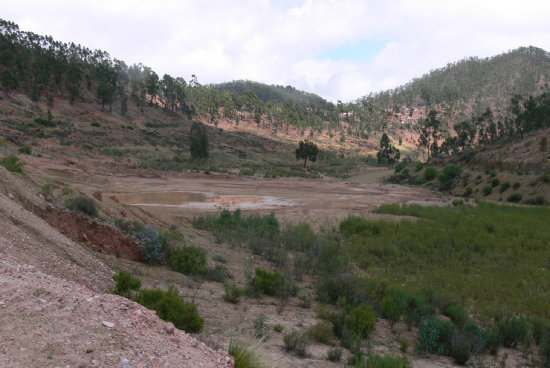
{"x":494,"y":258}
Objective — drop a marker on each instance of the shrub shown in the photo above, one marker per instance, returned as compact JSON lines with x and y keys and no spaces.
{"x":322,"y":332}
{"x":305,"y":296}
{"x":468,"y":191}
{"x":151,"y":243}
{"x":430,"y":173}
{"x":12,"y":163}
{"x":539,"y":329}
{"x":300,"y":237}
{"x":400,"y":166}
{"x":493,"y":341}
{"x":452,"y":171}
{"x":45,"y":122}
{"x":83,"y":205}
{"x":504,"y":186}
{"x":219,"y":258}
{"x":245,"y":355}
{"x":362,"y":320}
{"x":419,"y":181}
{"x":391,"y":308}
{"x":516,"y":186}
{"x":495,"y":182}
{"x":232,"y":293}
{"x":458,"y":203}
{"x":457,"y":314}
{"x":269,"y":283}
{"x":297,"y":342}
{"x":514,"y":197}
{"x":434,"y":335}
{"x":460,"y":347}
{"x":487,"y":190}
{"x":261,"y":328}
{"x":125,"y":282}
{"x":26,"y":150}
{"x":403,"y":345}
{"x":493,"y":173}
{"x":513,"y":331}
{"x":218,"y":273}
{"x":334,"y":355}
{"x":172,"y":308}
{"x":419,"y":166}
{"x":189,"y":260}
{"x":95,"y":124}
{"x":278,"y":327}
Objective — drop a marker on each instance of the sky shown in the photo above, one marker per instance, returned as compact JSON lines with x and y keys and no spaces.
{"x":341,"y":50}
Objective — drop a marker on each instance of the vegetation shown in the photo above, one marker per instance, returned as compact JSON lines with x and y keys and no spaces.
{"x":307,"y":151}
{"x":12,"y":163}
{"x":125,"y":282}
{"x":189,"y":260}
{"x":296,"y":341}
{"x":26,"y":150}
{"x":151,"y":243}
{"x":245,"y":355}
{"x":383,"y":361}
{"x":171,"y":307}
{"x":232,"y":293}
{"x":82,"y":204}
{"x":199,"y":141}
{"x":387,"y":154}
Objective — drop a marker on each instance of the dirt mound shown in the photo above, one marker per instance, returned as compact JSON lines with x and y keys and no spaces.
{"x":53,"y":310}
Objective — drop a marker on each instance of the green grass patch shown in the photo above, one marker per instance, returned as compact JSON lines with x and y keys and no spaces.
{"x":492,"y":257}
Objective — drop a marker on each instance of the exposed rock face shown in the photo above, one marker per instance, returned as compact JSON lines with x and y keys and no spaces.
{"x":100,"y":237}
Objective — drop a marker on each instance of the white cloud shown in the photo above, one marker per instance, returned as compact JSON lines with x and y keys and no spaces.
{"x":280,"y":41}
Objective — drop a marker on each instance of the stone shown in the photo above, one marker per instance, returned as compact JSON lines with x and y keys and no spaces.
{"x":108,"y":324}
{"x":169,"y":328}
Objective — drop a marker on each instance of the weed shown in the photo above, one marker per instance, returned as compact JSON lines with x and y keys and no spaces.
{"x":245,"y":355}
{"x":262,"y":329}
{"x":334,"y":355}
{"x":296,"y":341}
{"x":278,"y":327}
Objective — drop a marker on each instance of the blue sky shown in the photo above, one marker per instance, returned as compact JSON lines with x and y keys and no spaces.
{"x":361,"y":51}
{"x":339,"y":49}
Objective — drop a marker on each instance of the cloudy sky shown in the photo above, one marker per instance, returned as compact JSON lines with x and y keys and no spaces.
{"x":338,"y":49}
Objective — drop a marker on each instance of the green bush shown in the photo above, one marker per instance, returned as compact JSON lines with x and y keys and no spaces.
{"x":83,"y":205}
{"x":296,"y":341}
{"x":457,"y":314}
{"x":504,"y":186}
{"x":487,"y":190}
{"x":322,"y":332}
{"x":171,"y":307}
{"x":125,"y":282}
{"x":232,"y":293}
{"x":300,"y":237}
{"x":460,"y":349}
{"x":26,"y":150}
{"x":468,"y":191}
{"x":514,"y":197}
{"x":95,"y":124}
{"x":419,"y":181}
{"x":513,"y":331}
{"x":278,"y":327}
{"x":362,"y":320}
{"x":430,"y":173}
{"x":391,"y":308}
{"x":434,"y":336}
{"x":493,"y":173}
{"x":419,"y":166}
{"x":495,"y":182}
{"x":12,"y":163}
{"x":270,"y":283}
{"x":516,"y":186}
{"x":218,"y":273}
{"x":189,"y":260}
{"x":452,"y":171}
{"x":400,"y":166}
{"x":151,"y":243}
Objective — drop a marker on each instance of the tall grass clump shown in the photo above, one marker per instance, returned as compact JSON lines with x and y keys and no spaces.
{"x":12,"y":163}
{"x":246,"y":355}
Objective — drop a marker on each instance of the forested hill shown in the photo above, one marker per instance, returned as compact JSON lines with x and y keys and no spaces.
{"x":473,"y":80}
{"x":273,"y":93}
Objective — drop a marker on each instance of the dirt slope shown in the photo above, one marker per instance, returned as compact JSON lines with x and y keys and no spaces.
{"x":54,"y":310}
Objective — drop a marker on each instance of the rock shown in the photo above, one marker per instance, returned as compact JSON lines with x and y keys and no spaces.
{"x":169,"y":328}
{"x":10,"y":196}
{"x":123,"y":213}
{"x":114,"y":199}
{"x":88,"y":351}
{"x":108,"y":324}
{"x":97,"y":195}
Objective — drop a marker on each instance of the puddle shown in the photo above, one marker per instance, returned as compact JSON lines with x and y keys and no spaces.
{"x":189,"y":199}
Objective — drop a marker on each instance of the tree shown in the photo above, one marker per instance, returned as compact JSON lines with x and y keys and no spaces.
{"x":429,"y":133}
{"x":307,"y":151}
{"x":199,"y":141}
{"x":387,"y":154}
